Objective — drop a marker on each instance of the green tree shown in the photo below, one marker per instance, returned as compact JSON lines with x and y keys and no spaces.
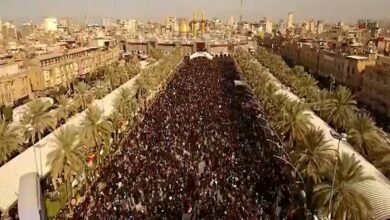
{"x":83,"y":96}
{"x":65,"y":108}
{"x":112,"y":78}
{"x":346,"y":202}
{"x":36,"y":119}
{"x":67,"y":159}
{"x":320,"y":105}
{"x":313,"y":155}
{"x":95,"y":128}
{"x":294,"y":121}
{"x":382,"y":161}
{"x":125,"y":103}
{"x":365,"y":136}
{"x":117,"y":120}
{"x":101,"y":89}
{"x":341,"y":108}
{"x":10,"y":142}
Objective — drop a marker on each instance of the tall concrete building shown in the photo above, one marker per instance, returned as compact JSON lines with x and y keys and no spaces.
{"x":50,"y":24}
{"x":9,"y":31}
{"x":267,"y":25}
{"x":106,"y":22}
{"x":171,"y":23}
{"x":320,"y":27}
{"x":281,"y":26}
{"x":230,"y":21}
{"x":26,"y":29}
{"x":312,"y":26}
{"x":290,"y":20}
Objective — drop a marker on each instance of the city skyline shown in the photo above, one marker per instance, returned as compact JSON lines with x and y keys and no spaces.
{"x":348,"y":10}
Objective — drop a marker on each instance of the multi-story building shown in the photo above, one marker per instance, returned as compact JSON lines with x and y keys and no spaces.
{"x":312,"y":26}
{"x":376,"y":85}
{"x":14,"y":84}
{"x":9,"y":31}
{"x":50,"y":24}
{"x":347,"y":69}
{"x":320,"y":27}
{"x":267,"y":25}
{"x":58,"y":68}
{"x":26,"y":29}
{"x":290,"y":20}
{"x":171,"y":24}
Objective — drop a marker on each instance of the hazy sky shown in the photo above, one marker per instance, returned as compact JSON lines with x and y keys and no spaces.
{"x":328,"y":10}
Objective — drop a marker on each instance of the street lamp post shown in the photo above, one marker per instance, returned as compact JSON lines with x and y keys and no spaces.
{"x":332,"y":82}
{"x":339,"y":137}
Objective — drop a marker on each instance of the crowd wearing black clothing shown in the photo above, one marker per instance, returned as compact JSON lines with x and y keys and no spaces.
{"x":199,"y":153}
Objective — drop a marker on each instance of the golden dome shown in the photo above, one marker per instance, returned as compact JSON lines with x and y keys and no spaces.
{"x":183,"y":27}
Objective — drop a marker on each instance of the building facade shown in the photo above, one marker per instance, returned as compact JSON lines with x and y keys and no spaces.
{"x":14,"y":84}
{"x":290,"y":20}
{"x":50,"y":24}
{"x":55,"y":69}
{"x":376,"y":86}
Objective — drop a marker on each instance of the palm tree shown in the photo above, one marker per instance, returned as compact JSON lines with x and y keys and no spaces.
{"x":64,"y":108}
{"x":132,"y":70}
{"x":95,"y":128}
{"x":125,"y":103}
{"x":341,"y":108}
{"x":267,"y":93}
{"x":313,"y":155}
{"x":112,"y":78}
{"x":382,"y":161}
{"x":117,"y":121}
{"x":100,"y":89}
{"x":10,"y":142}
{"x":276,"y":101}
{"x":304,"y":85}
{"x":83,"y":95}
{"x":294,"y":121}
{"x":68,"y":157}
{"x":344,"y":200}
{"x":320,"y":105}
{"x":364,"y":135}
{"x":36,"y":119}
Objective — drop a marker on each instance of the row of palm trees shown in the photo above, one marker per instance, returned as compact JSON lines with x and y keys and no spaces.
{"x":338,"y":108}
{"x":99,"y":135}
{"x":329,"y":189}
{"x":40,"y":117}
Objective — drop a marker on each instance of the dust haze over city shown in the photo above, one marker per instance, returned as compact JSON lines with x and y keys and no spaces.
{"x":178,"y":109}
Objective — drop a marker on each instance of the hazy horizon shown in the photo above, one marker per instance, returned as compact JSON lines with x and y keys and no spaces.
{"x":253,"y":10}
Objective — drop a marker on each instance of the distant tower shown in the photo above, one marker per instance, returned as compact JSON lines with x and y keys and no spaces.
{"x":290,"y":20}
{"x":230,"y":21}
{"x":242,"y":3}
{"x":203,"y":24}
{"x":320,"y":27}
{"x":267,"y":25}
{"x":193,"y":24}
{"x":281,"y":26}
{"x":312,"y":26}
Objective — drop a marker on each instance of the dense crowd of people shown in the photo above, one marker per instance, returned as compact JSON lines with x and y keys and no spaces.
{"x":199,"y":153}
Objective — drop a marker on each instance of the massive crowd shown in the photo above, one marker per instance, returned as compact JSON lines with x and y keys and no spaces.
{"x":199,"y":153}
